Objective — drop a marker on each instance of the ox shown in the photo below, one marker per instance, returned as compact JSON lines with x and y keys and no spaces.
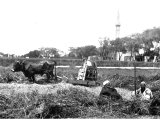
{"x":30,"y":69}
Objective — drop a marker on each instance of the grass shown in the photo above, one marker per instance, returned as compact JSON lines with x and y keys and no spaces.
{"x":122,"y":78}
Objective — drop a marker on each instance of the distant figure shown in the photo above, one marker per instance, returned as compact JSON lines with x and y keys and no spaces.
{"x":144,"y":93}
{"x":83,"y":71}
{"x":87,"y":63}
{"x":146,"y":58}
{"x":155,"y":59}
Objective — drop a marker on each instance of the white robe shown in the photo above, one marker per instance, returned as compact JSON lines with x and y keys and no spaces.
{"x":146,"y":95}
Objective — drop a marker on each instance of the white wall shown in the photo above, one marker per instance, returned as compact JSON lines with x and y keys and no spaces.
{"x":122,"y":56}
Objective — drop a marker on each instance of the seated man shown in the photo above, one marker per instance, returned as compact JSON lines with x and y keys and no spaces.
{"x":143,"y":92}
{"x":81,"y":73}
{"x":109,"y":91}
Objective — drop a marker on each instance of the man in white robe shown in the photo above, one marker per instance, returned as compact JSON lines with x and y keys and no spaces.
{"x":144,"y":93}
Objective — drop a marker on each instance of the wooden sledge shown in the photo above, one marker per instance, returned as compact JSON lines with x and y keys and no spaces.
{"x":86,"y":83}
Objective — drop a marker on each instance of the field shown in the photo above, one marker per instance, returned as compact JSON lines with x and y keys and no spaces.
{"x":21,"y":99}
{"x":118,"y":76}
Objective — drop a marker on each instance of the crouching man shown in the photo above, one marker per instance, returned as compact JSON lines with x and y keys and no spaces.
{"x":109,"y":91}
{"x":144,"y":93}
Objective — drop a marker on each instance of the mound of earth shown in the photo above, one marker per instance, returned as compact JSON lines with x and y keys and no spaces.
{"x":42,"y":89}
{"x":47,"y":101}
{"x":64,"y":97}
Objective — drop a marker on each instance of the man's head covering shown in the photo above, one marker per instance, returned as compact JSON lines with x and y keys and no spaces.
{"x":106,"y":82}
{"x":143,"y":84}
{"x":89,"y":58}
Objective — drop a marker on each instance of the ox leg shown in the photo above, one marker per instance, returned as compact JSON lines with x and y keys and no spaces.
{"x":51,"y":74}
{"x":48,"y":76}
{"x":33,"y":79}
{"x":55,"y":78}
{"x":30,"y":79}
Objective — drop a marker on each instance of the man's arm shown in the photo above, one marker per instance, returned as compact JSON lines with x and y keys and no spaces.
{"x":149,"y":92}
{"x":138,"y":91}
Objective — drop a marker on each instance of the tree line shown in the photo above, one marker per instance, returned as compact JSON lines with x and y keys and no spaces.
{"x":148,"y":41}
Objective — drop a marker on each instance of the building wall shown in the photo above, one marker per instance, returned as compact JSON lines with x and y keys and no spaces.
{"x":124,"y":57}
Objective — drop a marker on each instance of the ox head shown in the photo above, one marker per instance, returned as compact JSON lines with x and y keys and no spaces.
{"x":17,"y":66}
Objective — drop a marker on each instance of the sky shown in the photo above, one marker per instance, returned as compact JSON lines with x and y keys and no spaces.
{"x":27,"y":25}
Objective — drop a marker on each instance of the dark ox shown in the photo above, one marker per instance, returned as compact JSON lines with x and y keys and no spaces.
{"x":49,"y":67}
{"x":30,"y":69}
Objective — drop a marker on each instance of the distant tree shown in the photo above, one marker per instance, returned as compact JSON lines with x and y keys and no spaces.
{"x":72,"y":53}
{"x":49,"y":52}
{"x":152,"y":34}
{"x":105,"y":48}
{"x":118,"y":47}
{"x":149,"y":37}
{"x":81,"y":52}
{"x":33,"y":54}
{"x":89,"y":50}
{"x":132,"y":44}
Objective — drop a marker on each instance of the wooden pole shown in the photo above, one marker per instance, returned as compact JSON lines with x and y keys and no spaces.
{"x":55,"y":72}
{"x":135,"y":87}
